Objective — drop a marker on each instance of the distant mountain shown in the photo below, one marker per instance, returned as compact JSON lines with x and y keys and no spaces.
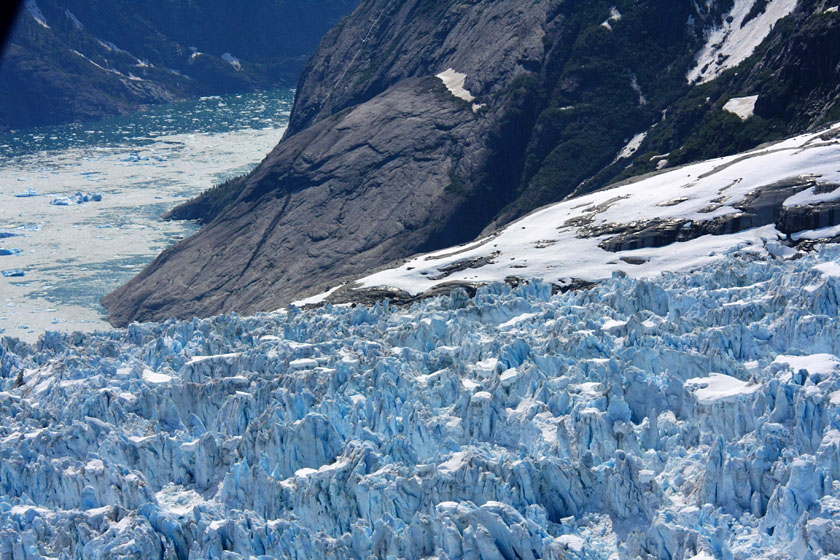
{"x":419,"y":125}
{"x":71,"y":60}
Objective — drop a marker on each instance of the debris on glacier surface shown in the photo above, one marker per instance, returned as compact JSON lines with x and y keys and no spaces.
{"x":692,"y":415}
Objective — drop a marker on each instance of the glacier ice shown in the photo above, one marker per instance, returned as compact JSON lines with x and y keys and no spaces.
{"x":692,"y":415}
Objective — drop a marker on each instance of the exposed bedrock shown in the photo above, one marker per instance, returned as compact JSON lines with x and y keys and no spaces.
{"x":381,"y":161}
{"x":367,"y":173}
{"x":353,"y":191}
{"x":763,"y":206}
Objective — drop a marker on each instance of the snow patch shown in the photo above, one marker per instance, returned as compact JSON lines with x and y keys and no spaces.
{"x":817,"y":364}
{"x":178,"y":500}
{"x":632,"y":146}
{"x":822,"y":233}
{"x":553,"y":243}
{"x":73,"y":19}
{"x":316,"y":299}
{"x":233,"y":61}
{"x":153,"y":377}
{"x":36,"y":13}
{"x":615,"y":16}
{"x":518,"y":319}
{"x":734,"y":41}
{"x":829,"y":269}
{"x":809,"y":197}
{"x":303,"y":363}
{"x":744,"y":107}
{"x":199,"y":359}
{"x":454,"y":82}
{"x":572,"y":542}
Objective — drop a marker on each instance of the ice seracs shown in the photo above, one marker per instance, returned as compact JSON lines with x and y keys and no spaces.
{"x":686,"y":416}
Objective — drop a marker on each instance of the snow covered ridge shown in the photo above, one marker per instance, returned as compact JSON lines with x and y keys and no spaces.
{"x":732,"y":43}
{"x":674,"y":221}
{"x":693,"y":416}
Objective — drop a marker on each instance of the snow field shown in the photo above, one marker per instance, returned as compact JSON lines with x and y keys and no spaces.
{"x":560,"y":243}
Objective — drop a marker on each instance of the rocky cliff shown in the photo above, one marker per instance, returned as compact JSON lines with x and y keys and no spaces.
{"x":421,"y":124}
{"x":72,"y":60}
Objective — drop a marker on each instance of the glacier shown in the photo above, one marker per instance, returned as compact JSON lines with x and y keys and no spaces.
{"x":691,"y":415}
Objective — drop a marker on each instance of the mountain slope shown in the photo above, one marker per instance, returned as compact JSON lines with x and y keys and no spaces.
{"x":570,"y":97}
{"x":83,"y":59}
{"x":761,"y":202}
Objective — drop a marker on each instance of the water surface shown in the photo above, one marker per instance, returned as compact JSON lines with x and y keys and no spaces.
{"x":143,"y":164}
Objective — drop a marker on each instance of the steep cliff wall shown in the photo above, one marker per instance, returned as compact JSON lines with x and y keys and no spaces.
{"x":381,"y":160}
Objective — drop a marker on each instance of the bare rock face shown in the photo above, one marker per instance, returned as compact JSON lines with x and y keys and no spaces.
{"x":381,"y":160}
{"x":356,"y":183}
{"x":380,"y":189}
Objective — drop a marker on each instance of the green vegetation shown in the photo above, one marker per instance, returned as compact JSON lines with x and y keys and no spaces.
{"x":756,"y":10}
{"x":209,"y":204}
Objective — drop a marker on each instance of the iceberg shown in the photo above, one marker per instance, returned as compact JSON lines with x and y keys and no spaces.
{"x":78,"y":198}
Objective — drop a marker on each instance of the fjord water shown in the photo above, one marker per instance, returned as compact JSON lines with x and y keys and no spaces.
{"x":143,"y":164}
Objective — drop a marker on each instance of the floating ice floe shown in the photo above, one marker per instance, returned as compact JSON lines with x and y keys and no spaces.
{"x":78,"y":198}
